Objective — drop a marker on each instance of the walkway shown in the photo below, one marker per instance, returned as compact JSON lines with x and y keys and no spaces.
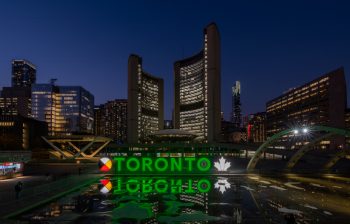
{"x":37,"y":190}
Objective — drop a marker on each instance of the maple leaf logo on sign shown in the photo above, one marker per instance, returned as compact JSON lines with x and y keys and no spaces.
{"x":222,"y":165}
{"x":222,"y":185}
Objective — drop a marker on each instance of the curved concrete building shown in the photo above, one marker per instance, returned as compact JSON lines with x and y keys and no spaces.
{"x":197,"y":100}
{"x":145,"y":102}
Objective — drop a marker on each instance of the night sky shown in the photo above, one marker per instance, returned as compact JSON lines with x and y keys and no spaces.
{"x":270,"y":46}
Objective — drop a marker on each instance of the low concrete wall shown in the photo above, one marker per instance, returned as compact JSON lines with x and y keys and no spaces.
{"x":59,"y":168}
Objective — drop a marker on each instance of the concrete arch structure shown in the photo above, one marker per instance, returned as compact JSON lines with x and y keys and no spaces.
{"x":335,"y":158}
{"x":330,"y":131}
{"x":303,"y":150}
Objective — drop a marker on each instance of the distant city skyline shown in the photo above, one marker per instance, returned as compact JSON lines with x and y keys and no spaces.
{"x":269,"y":49}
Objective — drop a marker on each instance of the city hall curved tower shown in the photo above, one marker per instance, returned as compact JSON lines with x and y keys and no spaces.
{"x":145,"y":102}
{"x":197,"y":100}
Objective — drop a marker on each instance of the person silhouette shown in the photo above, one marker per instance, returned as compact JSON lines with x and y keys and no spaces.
{"x":18,"y":189}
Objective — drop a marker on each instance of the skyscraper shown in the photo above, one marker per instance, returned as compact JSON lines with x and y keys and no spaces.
{"x":145,"y":102}
{"x":66,"y":109}
{"x":99,"y":120}
{"x":110,"y":119}
{"x":197,"y":101}
{"x":236,"y":117}
{"x":23,"y":73}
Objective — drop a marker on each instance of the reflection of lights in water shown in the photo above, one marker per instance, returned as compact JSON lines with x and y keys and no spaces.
{"x":278,"y":188}
{"x":289,"y":211}
{"x":54,"y":210}
{"x":247,"y":188}
{"x":107,"y":202}
{"x":184,"y":208}
{"x":253,"y":177}
{"x":68,"y":207}
{"x":222,"y":185}
{"x":106,"y":186}
{"x":327,"y":213}
{"x":310,"y":206}
{"x":237,"y":215}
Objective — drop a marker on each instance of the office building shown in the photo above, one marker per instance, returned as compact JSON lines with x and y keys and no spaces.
{"x":319,"y":102}
{"x":227,"y":128}
{"x":15,"y":101}
{"x":98,"y":120}
{"x":110,"y":120}
{"x":347,"y":123}
{"x":236,"y":114}
{"x":66,"y":109}
{"x":23,"y":73}
{"x":145,"y":102}
{"x":256,"y":127}
{"x":245,"y":121}
{"x":197,"y":103}
{"x":232,"y":134}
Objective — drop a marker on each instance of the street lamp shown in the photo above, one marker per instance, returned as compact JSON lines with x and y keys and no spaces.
{"x":303,"y":131}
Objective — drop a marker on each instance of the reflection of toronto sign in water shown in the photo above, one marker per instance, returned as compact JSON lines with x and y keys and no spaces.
{"x":164,"y":165}
{"x":161,"y":185}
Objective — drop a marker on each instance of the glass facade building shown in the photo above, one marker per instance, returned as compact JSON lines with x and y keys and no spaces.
{"x":23,"y":73}
{"x":98,"y":120}
{"x":145,"y":102}
{"x":66,"y":109}
{"x":197,"y":107}
{"x":236,"y":113}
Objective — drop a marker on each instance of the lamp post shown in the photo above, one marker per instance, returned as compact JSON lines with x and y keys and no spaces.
{"x":79,"y":168}
{"x":303,"y":130}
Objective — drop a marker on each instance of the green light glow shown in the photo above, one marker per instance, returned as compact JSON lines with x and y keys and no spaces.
{"x":129,"y":162}
{"x":161,"y":185}
{"x":168,"y":165}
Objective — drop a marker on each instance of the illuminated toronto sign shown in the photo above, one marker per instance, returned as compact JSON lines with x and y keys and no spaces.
{"x":163,"y":165}
{"x":162,"y":175}
{"x":105,"y":164}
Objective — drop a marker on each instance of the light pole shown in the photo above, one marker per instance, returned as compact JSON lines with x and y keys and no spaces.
{"x":303,"y":130}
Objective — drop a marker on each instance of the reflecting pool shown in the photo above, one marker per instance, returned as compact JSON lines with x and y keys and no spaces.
{"x":202,"y":199}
